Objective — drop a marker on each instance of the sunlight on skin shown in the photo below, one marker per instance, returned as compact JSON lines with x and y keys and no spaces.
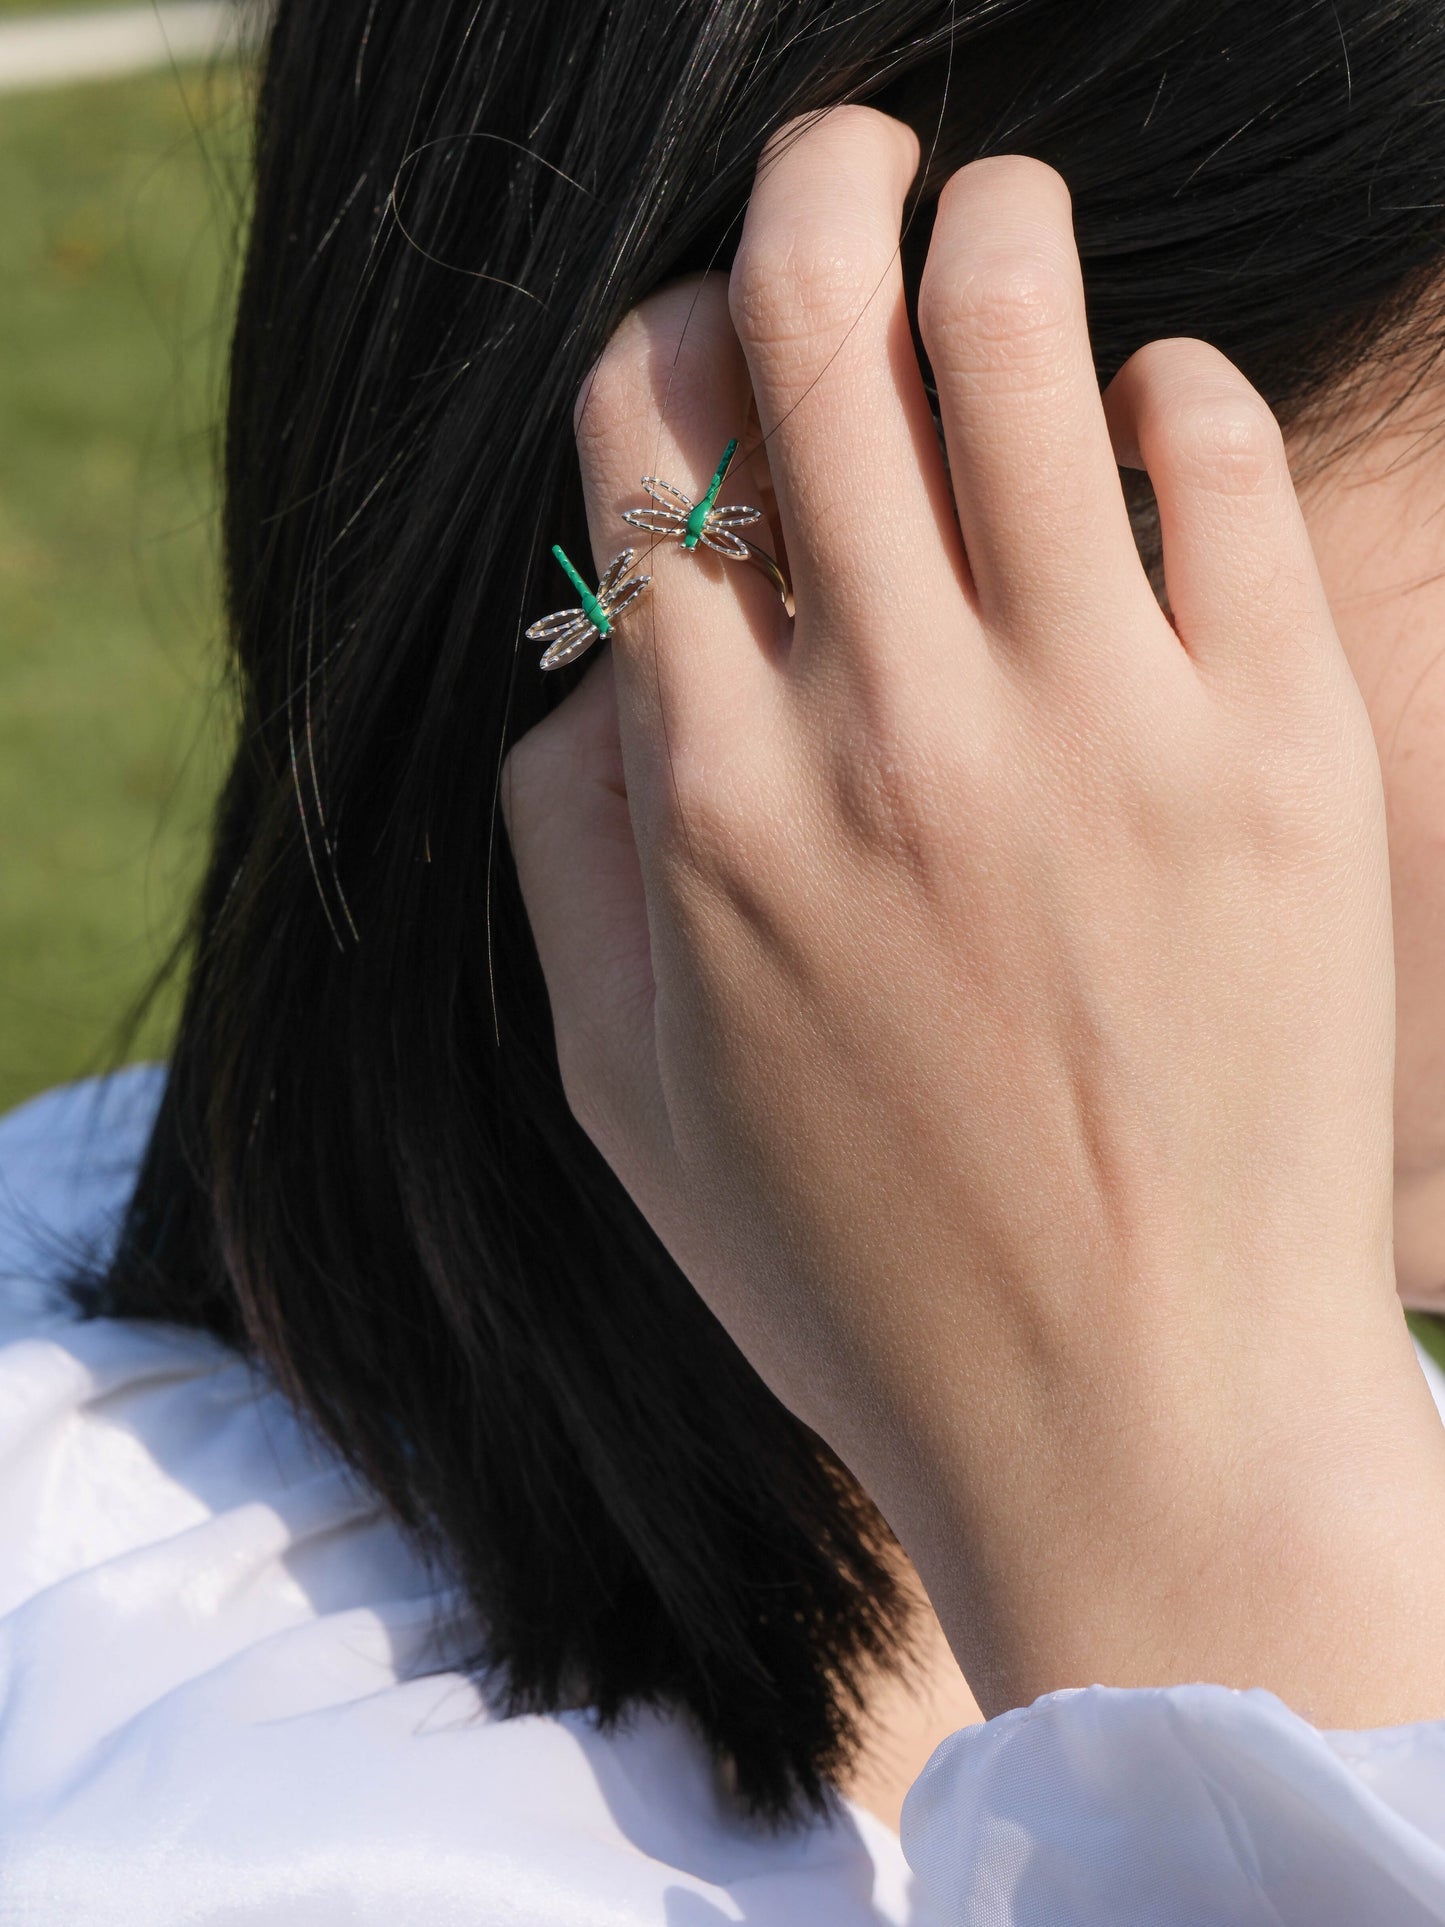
{"x":1377,"y":522}
{"x":1088,"y":1338}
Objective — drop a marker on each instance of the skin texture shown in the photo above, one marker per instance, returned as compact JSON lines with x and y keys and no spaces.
{"x":1374,"y":518}
{"x":985,"y":985}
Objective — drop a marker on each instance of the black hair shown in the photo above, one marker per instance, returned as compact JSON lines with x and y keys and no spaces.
{"x":364,"y":1172}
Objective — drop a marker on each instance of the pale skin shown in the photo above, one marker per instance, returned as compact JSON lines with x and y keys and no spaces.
{"x":991,"y":989}
{"x":1375,"y":516}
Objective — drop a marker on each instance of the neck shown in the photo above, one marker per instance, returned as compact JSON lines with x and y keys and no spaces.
{"x":907,"y":1718}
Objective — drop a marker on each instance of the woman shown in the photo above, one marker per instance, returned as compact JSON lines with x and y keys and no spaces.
{"x":918,"y":1118}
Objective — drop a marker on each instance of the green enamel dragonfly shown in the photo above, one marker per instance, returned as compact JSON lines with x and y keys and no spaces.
{"x":677,"y":514}
{"x":568,"y":632}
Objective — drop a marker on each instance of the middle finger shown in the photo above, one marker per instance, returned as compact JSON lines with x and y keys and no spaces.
{"x":817,"y":298}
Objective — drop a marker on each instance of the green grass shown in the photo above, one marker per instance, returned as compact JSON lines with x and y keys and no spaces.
{"x":1429,"y":1328}
{"x":116,"y":231}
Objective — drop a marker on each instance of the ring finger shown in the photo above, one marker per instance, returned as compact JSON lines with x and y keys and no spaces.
{"x":668,"y":393}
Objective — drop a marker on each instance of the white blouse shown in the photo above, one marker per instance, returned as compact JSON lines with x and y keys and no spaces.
{"x":219,"y":1706}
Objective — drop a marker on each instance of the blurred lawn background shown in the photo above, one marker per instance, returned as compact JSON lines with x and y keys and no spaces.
{"x":119,"y":220}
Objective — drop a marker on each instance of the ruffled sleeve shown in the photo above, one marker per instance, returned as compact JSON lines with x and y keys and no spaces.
{"x":1107,"y":1807}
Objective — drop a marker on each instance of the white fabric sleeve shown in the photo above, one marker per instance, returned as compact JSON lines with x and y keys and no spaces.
{"x":224,"y":1701}
{"x":1184,"y":1806}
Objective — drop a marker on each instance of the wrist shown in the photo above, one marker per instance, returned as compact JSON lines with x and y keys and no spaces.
{"x":1275,"y":1518}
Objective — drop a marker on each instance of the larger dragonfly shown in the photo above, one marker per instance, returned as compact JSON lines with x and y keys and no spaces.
{"x":677,"y":514}
{"x":570,"y":631}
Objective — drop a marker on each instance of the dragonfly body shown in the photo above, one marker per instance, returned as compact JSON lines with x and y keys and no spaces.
{"x":697,"y":518}
{"x":591,"y":607}
{"x":568,"y":632}
{"x":696,"y":522}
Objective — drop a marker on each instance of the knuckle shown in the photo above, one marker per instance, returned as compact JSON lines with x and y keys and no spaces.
{"x":674,"y":336}
{"x":724,"y":852}
{"x":718,"y":875}
{"x":1223,"y":438}
{"x":896,"y":791}
{"x":1211,"y":785}
{"x":709,"y":829}
{"x":820,"y":233}
{"x":614,"y":390}
{"x":680,"y":329}
{"x":794,"y":288}
{"x":1011,"y":309}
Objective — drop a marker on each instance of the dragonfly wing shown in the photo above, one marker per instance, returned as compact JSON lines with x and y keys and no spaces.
{"x":617,"y":599}
{"x":734,"y":516}
{"x":668,"y":496}
{"x":725,"y":542}
{"x":613,"y":574}
{"x":556,"y":625}
{"x":567,"y":646}
{"x":657,"y":521}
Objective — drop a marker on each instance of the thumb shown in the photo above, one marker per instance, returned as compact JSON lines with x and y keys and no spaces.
{"x":564,"y":803}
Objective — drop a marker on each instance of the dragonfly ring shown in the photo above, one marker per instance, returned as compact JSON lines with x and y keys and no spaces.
{"x":568,"y":632}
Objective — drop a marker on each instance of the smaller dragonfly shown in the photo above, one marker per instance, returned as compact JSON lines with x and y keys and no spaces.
{"x":569,"y":631}
{"x":697,"y":521}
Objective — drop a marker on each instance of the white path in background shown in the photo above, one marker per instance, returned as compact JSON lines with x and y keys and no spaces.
{"x":62,"y":47}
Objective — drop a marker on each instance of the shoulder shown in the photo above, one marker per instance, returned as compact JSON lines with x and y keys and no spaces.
{"x":230,"y":1689}
{"x":67,"y":1164}
{"x":406,"y":1805}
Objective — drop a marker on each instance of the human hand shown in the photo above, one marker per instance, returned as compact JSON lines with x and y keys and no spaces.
{"x":983,"y":985}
